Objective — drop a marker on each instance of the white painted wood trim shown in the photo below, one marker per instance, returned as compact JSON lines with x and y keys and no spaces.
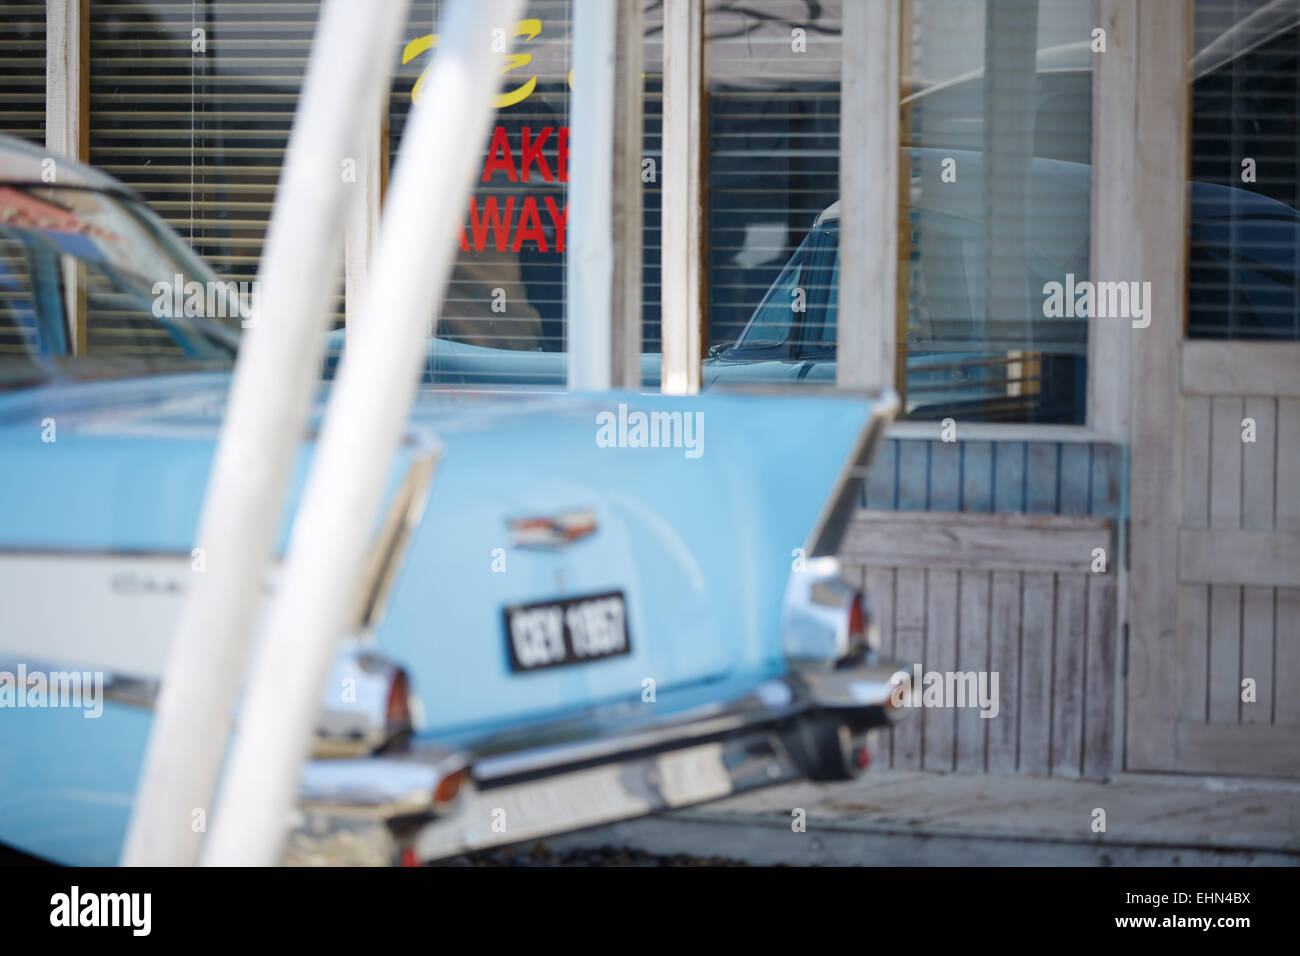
{"x":1156,"y":129}
{"x":1241,"y":368}
{"x":979,"y":542}
{"x":1112,"y":240}
{"x":628,"y":211}
{"x":683,"y":198}
{"x":66,"y":46}
{"x":589,"y":262}
{"x":1265,"y":749}
{"x":1001,"y":431}
{"x":1112,"y":253}
{"x":1226,"y":556}
{"x":869,"y":195}
{"x":603,"y":265}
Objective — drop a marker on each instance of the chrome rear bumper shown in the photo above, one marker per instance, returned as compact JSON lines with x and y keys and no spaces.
{"x":428,"y":803}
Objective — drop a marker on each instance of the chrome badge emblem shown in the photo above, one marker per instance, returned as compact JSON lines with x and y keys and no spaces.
{"x":552,"y":531}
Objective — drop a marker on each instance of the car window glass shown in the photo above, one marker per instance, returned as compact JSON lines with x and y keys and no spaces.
{"x":774,"y":318}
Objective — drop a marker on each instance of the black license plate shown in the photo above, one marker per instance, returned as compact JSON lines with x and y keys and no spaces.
{"x":572,"y":631}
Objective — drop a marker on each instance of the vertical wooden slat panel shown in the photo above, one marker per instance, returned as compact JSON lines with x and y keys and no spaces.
{"x":880,"y":484}
{"x":1196,"y":462}
{"x":879,"y":588}
{"x":1287,"y":501}
{"x":1076,"y":469}
{"x":973,"y":656}
{"x":1067,"y":675}
{"x":1009,"y":477}
{"x":1258,"y":474}
{"x":1286,"y":682}
{"x":909,"y":641}
{"x":1004,"y":658}
{"x":1225,"y":462}
{"x":945,"y":477}
{"x":913,"y":459}
{"x":1036,"y":671}
{"x":1194,"y":651}
{"x":1107,"y":474}
{"x":977,"y":476}
{"x":1099,"y":678}
{"x":1258,"y":466}
{"x":1194,"y":599}
{"x":1225,"y":600}
{"x":1257,"y":653}
{"x":940,"y":656}
{"x":1225,"y":653}
{"x":1042,"y":478}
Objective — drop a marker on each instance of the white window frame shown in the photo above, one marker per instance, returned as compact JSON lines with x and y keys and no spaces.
{"x":871,"y":76}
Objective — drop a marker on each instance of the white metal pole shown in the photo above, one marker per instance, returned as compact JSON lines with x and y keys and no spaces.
{"x":590,"y":261}
{"x":269,"y":402}
{"x":440,"y":153}
{"x":683,"y":198}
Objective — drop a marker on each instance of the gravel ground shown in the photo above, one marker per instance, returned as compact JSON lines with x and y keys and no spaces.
{"x":539,"y":854}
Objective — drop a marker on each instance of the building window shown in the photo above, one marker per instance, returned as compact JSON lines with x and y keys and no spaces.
{"x":503,"y":317}
{"x":191,"y":105}
{"x":995,"y":144}
{"x":773,"y":80}
{"x":1244,"y":259}
{"x":997,"y":119}
{"x":22,"y":71}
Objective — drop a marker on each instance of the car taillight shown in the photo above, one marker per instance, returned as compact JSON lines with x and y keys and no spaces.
{"x":863,"y":757}
{"x":397,"y":718}
{"x":448,"y":789}
{"x":857,"y":623}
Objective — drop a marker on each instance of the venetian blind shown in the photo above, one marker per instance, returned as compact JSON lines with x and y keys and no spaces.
{"x":191,"y":105}
{"x":22,"y":113}
{"x":1244,"y":258}
{"x":506,"y":291}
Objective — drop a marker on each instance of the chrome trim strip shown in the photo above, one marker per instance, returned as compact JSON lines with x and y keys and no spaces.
{"x":381,"y":786}
{"x":857,"y":692}
{"x":389,"y":546}
{"x":571,"y":775}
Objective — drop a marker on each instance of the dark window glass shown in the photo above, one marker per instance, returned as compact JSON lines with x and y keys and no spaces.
{"x":503,"y":318}
{"x":22,"y":70}
{"x":1244,"y":257}
{"x":198,"y":126}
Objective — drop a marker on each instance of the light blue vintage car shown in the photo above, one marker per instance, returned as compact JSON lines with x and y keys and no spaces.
{"x":595,"y":606}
